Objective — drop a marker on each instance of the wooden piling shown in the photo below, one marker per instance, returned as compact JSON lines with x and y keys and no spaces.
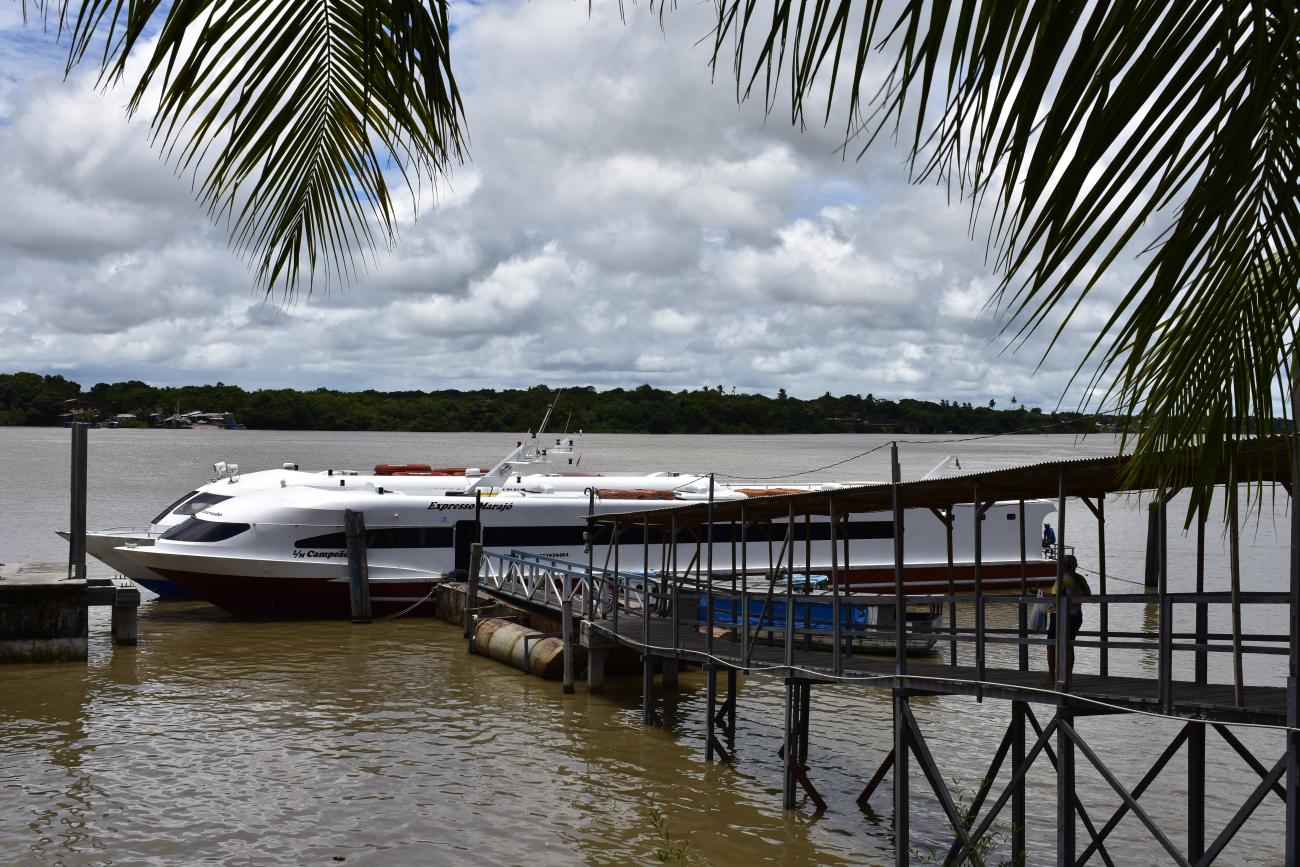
{"x":77,"y":518}
{"x":669,"y":677}
{"x":125,"y":616}
{"x":1151,"y":582}
{"x":566,"y":635}
{"x":358,"y":568}
{"x":596,"y":669}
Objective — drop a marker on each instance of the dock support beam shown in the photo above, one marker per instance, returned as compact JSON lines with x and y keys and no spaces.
{"x":1293,"y":673}
{"x":798,"y":702}
{"x":1195,"y":792}
{"x":648,"y":715}
{"x":1065,"y":793}
{"x":358,"y":569}
{"x":471,"y":591}
{"x":125,"y":617}
{"x":671,"y":670}
{"x":1019,"y":854}
{"x":566,"y":635}
{"x":718,"y":716}
{"x":902,"y":830}
{"x":77,"y":522}
{"x":596,"y":669}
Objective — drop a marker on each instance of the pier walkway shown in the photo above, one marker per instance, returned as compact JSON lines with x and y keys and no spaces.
{"x":807,"y":639}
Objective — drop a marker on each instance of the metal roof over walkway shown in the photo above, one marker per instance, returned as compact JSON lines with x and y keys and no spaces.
{"x":1260,"y":460}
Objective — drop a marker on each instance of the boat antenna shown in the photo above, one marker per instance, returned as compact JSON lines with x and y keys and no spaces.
{"x":546,"y":418}
{"x":567,"y":419}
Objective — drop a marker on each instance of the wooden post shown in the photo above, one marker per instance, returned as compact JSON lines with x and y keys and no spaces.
{"x":1022,"y":616}
{"x":744,"y":584}
{"x":589,"y":594}
{"x":807,"y":581}
{"x":1202,"y":672}
{"x":77,"y":536}
{"x":1018,"y":784}
{"x":1166,"y":656}
{"x":1065,"y":793}
{"x":125,"y":617}
{"x":789,"y":598}
{"x":471,"y":591}
{"x":1234,"y":553}
{"x":1195,"y":792}
{"x":902,"y":808}
{"x":837,"y":634}
{"x":1152,"y":576}
{"x":672,"y":575}
{"x":979,"y":588}
{"x":788,"y":746}
{"x":900,"y":602}
{"x":1061,"y":650}
{"x":708,"y":626}
{"x":1104,"y":613}
{"x":358,"y":569}
{"x":948,"y":520}
{"x":1293,"y":671}
{"x":566,"y":634}
{"x":671,"y":669}
{"x":711,"y":708}
{"x":596,"y":669}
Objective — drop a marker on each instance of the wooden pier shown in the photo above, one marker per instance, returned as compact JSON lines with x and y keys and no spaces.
{"x":695,"y":616}
{"x":43,"y":607}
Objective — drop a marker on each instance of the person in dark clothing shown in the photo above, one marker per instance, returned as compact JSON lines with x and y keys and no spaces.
{"x":1073,"y":588}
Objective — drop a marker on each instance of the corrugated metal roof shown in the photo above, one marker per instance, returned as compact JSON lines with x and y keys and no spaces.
{"x":1257,"y":460}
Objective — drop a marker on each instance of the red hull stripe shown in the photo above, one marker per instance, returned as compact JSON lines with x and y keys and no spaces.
{"x":299,"y":597}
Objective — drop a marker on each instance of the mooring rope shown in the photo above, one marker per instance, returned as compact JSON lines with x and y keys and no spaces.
{"x":408,"y":609}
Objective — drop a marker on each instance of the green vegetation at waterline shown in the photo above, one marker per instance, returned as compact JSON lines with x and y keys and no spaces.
{"x":33,"y":399}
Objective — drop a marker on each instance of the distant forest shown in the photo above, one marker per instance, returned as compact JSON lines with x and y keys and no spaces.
{"x":34,"y":399}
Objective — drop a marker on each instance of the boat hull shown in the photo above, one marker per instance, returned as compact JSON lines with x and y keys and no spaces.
{"x":103,"y":545}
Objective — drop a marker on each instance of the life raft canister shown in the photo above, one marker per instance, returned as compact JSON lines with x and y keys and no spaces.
{"x":633,"y":494}
{"x":421,"y":470}
{"x":403,"y":470}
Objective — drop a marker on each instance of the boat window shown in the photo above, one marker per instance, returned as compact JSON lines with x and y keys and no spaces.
{"x":167,"y":511}
{"x":190,"y":504}
{"x":385,"y":537}
{"x":199,"y":503}
{"x":199,"y":530}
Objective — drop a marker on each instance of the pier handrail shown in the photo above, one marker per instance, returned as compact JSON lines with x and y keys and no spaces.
{"x":683,"y":600}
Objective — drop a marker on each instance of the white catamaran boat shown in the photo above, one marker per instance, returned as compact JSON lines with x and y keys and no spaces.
{"x":283,"y":553}
{"x":529,"y":466}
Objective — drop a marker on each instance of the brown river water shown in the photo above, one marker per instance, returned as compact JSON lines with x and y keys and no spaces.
{"x":218,"y":741}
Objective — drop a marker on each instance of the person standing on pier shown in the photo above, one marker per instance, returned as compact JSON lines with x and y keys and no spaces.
{"x":1073,"y":587}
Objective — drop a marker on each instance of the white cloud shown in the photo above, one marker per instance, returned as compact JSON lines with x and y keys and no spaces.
{"x":622,"y":221}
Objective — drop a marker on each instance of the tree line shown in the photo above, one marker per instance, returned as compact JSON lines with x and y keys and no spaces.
{"x":35,"y":399}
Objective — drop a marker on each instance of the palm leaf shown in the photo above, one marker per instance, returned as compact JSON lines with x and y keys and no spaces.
{"x":1081,"y":124}
{"x":288,"y":114}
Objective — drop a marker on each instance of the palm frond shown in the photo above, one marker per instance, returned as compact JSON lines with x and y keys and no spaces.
{"x":289,"y":114}
{"x":1081,"y":123}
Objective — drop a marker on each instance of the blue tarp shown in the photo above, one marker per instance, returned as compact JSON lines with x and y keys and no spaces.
{"x":807,"y":615}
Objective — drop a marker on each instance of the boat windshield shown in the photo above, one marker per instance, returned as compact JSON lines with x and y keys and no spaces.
{"x":199,"y":530}
{"x":190,"y":504}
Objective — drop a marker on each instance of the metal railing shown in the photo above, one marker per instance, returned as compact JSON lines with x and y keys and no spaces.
{"x":771,"y":614}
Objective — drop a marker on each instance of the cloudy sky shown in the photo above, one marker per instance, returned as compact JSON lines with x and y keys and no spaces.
{"x":621,"y":221}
